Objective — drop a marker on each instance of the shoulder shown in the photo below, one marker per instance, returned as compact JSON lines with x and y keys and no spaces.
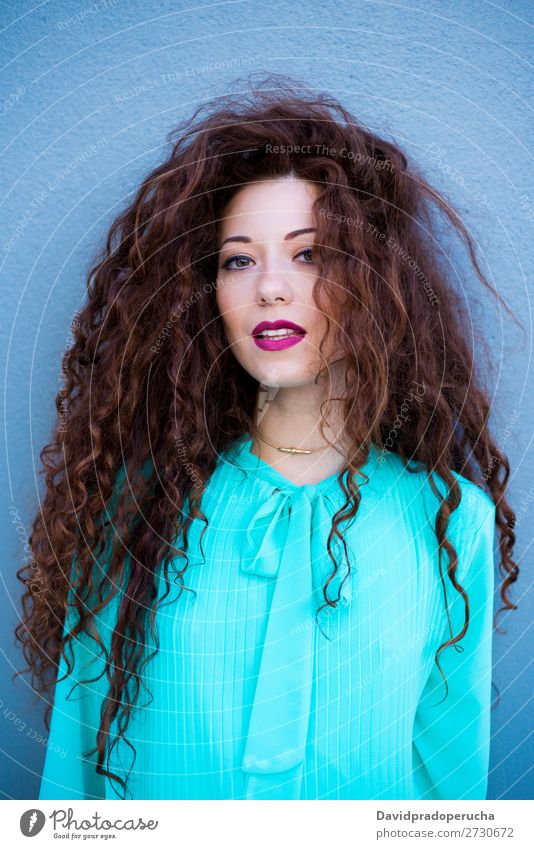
{"x":471,"y":526}
{"x":475,"y":510}
{"x":476,"y":507}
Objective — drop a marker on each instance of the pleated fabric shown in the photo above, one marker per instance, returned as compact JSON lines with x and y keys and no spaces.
{"x":263,"y":689}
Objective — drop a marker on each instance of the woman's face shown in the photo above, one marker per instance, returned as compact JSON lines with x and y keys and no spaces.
{"x":265,"y":275}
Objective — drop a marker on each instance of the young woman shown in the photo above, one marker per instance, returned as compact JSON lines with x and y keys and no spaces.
{"x":264,"y":563}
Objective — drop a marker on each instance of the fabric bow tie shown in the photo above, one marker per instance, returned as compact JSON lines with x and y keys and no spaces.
{"x":273,"y":758}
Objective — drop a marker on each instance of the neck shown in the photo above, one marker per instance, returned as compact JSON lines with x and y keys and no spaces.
{"x":293,"y":416}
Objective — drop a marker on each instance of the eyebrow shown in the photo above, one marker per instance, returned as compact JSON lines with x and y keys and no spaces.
{"x":288,"y":236}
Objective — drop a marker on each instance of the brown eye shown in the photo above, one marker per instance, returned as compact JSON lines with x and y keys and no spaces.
{"x":237,"y":258}
{"x":308,"y":251}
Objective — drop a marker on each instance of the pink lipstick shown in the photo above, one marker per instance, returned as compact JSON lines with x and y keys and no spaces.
{"x":277,"y":335}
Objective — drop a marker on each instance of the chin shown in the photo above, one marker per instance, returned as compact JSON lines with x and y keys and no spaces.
{"x":283,"y":370}
{"x":287,"y":380}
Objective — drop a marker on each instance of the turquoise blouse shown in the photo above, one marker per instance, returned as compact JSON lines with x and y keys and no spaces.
{"x":251,"y":699}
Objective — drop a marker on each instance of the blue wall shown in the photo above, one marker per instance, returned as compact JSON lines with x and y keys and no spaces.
{"x":89,"y":92}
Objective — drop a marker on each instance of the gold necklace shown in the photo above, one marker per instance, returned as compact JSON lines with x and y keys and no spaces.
{"x":290,"y":450}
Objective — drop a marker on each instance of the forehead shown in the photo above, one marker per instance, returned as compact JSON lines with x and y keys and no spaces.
{"x":282,"y":199}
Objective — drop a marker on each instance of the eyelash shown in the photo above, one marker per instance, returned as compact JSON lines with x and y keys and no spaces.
{"x":242,"y":256}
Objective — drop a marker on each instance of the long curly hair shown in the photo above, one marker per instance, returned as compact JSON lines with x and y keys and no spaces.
{"x":147,"y":388}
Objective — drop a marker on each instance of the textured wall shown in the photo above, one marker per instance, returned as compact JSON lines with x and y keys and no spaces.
{"x":89,"y":92}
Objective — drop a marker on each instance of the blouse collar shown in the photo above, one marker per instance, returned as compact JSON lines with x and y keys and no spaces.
{"x":239,"y":453}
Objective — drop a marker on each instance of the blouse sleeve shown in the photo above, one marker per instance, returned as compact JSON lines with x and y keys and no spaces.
{"x":451,"y":740}
{"x":68,"y":773}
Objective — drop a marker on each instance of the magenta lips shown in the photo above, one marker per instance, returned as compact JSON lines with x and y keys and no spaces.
{"x":270,"y":344}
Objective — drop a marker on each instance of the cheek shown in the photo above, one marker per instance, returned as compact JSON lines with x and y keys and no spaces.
{"x":232,"y":315}
{"x":220,"y":297}
{"x":316,"y":321}
{"x":223,"y":301}
{"x":321,"y":332}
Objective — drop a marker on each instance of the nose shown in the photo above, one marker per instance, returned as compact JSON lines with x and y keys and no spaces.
{"x":273,"y":285}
